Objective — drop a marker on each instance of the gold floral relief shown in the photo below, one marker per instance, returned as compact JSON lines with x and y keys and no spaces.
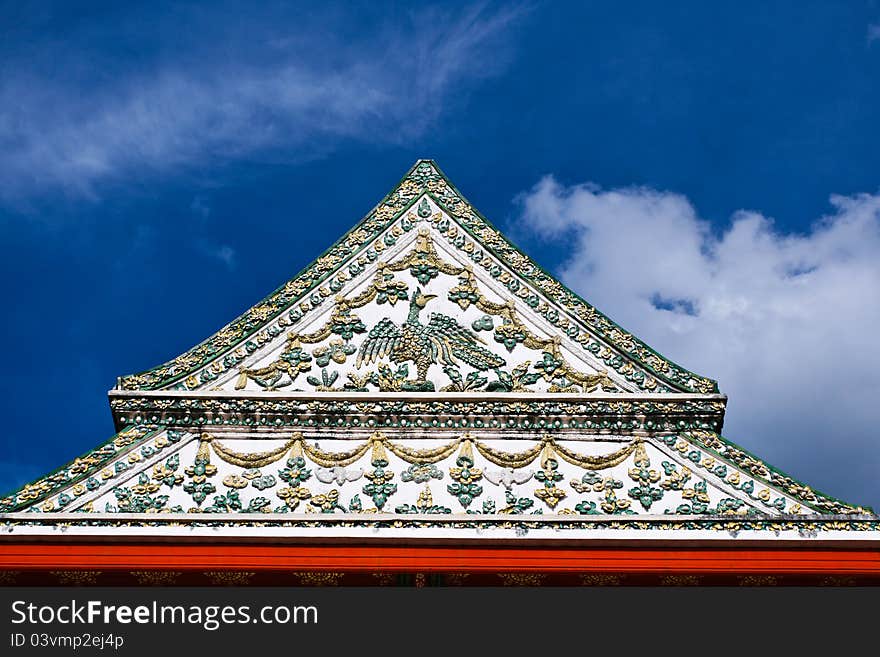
{"x":155,"y":577}
{"x":77,"y":577}
{"x":229,"y":577}
{"x":319,"y":578}
{"x":758,"y":580}
{"x":522,"y":579}
{"x":679,"y":580}
{"x":602,"y":579}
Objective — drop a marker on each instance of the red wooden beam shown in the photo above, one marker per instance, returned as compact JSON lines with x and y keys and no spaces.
{"x":354,"y":559}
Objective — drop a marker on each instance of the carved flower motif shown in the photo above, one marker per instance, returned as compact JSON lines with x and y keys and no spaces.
{"x":510,"y":335}
{"x":346,"y":325}
{"x":327,"y":502}
{"x":263,"y":482}
{"x":484,"y":323}
{"x":234,"y":481}
{"x":337,"y":351}
{"x":293,"y":496}
{"x":465,"y":477}
{"x":295,"y":472}
{"x":423,"y":272}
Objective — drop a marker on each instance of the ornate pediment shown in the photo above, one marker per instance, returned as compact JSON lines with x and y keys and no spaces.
{"x":423,"y":320}
{"x":423,"y":252}
{"x":422,"y":376}
{"x":440,"y":478}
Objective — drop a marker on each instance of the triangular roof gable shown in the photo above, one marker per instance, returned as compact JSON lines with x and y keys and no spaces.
{"x":319,"y":282}
{"x":477,"y":327}
{"x":652,"y":428}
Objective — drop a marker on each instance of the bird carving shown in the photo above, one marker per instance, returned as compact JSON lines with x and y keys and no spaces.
{"x":338,"y":474}
{"x":442,"y":341}
{"x":507,"y":477}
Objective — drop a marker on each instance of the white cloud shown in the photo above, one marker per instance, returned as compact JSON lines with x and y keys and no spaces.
{"x":200,"y":207}
{"x":287,"y":99}
{"x":224,"y":253}
{"x":787,"y":323}
{"x":873,"y":32}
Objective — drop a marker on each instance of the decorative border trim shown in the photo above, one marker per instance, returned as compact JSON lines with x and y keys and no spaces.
{"x":80,"y":469}
{"x":728,"y":523}
{"x":368,"y":411}
{"x":733,"y":454}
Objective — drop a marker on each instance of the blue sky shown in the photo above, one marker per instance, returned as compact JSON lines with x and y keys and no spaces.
{"x":708,"y":174}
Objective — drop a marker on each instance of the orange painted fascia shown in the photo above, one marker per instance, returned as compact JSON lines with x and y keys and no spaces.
{"x":43,"y":556}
